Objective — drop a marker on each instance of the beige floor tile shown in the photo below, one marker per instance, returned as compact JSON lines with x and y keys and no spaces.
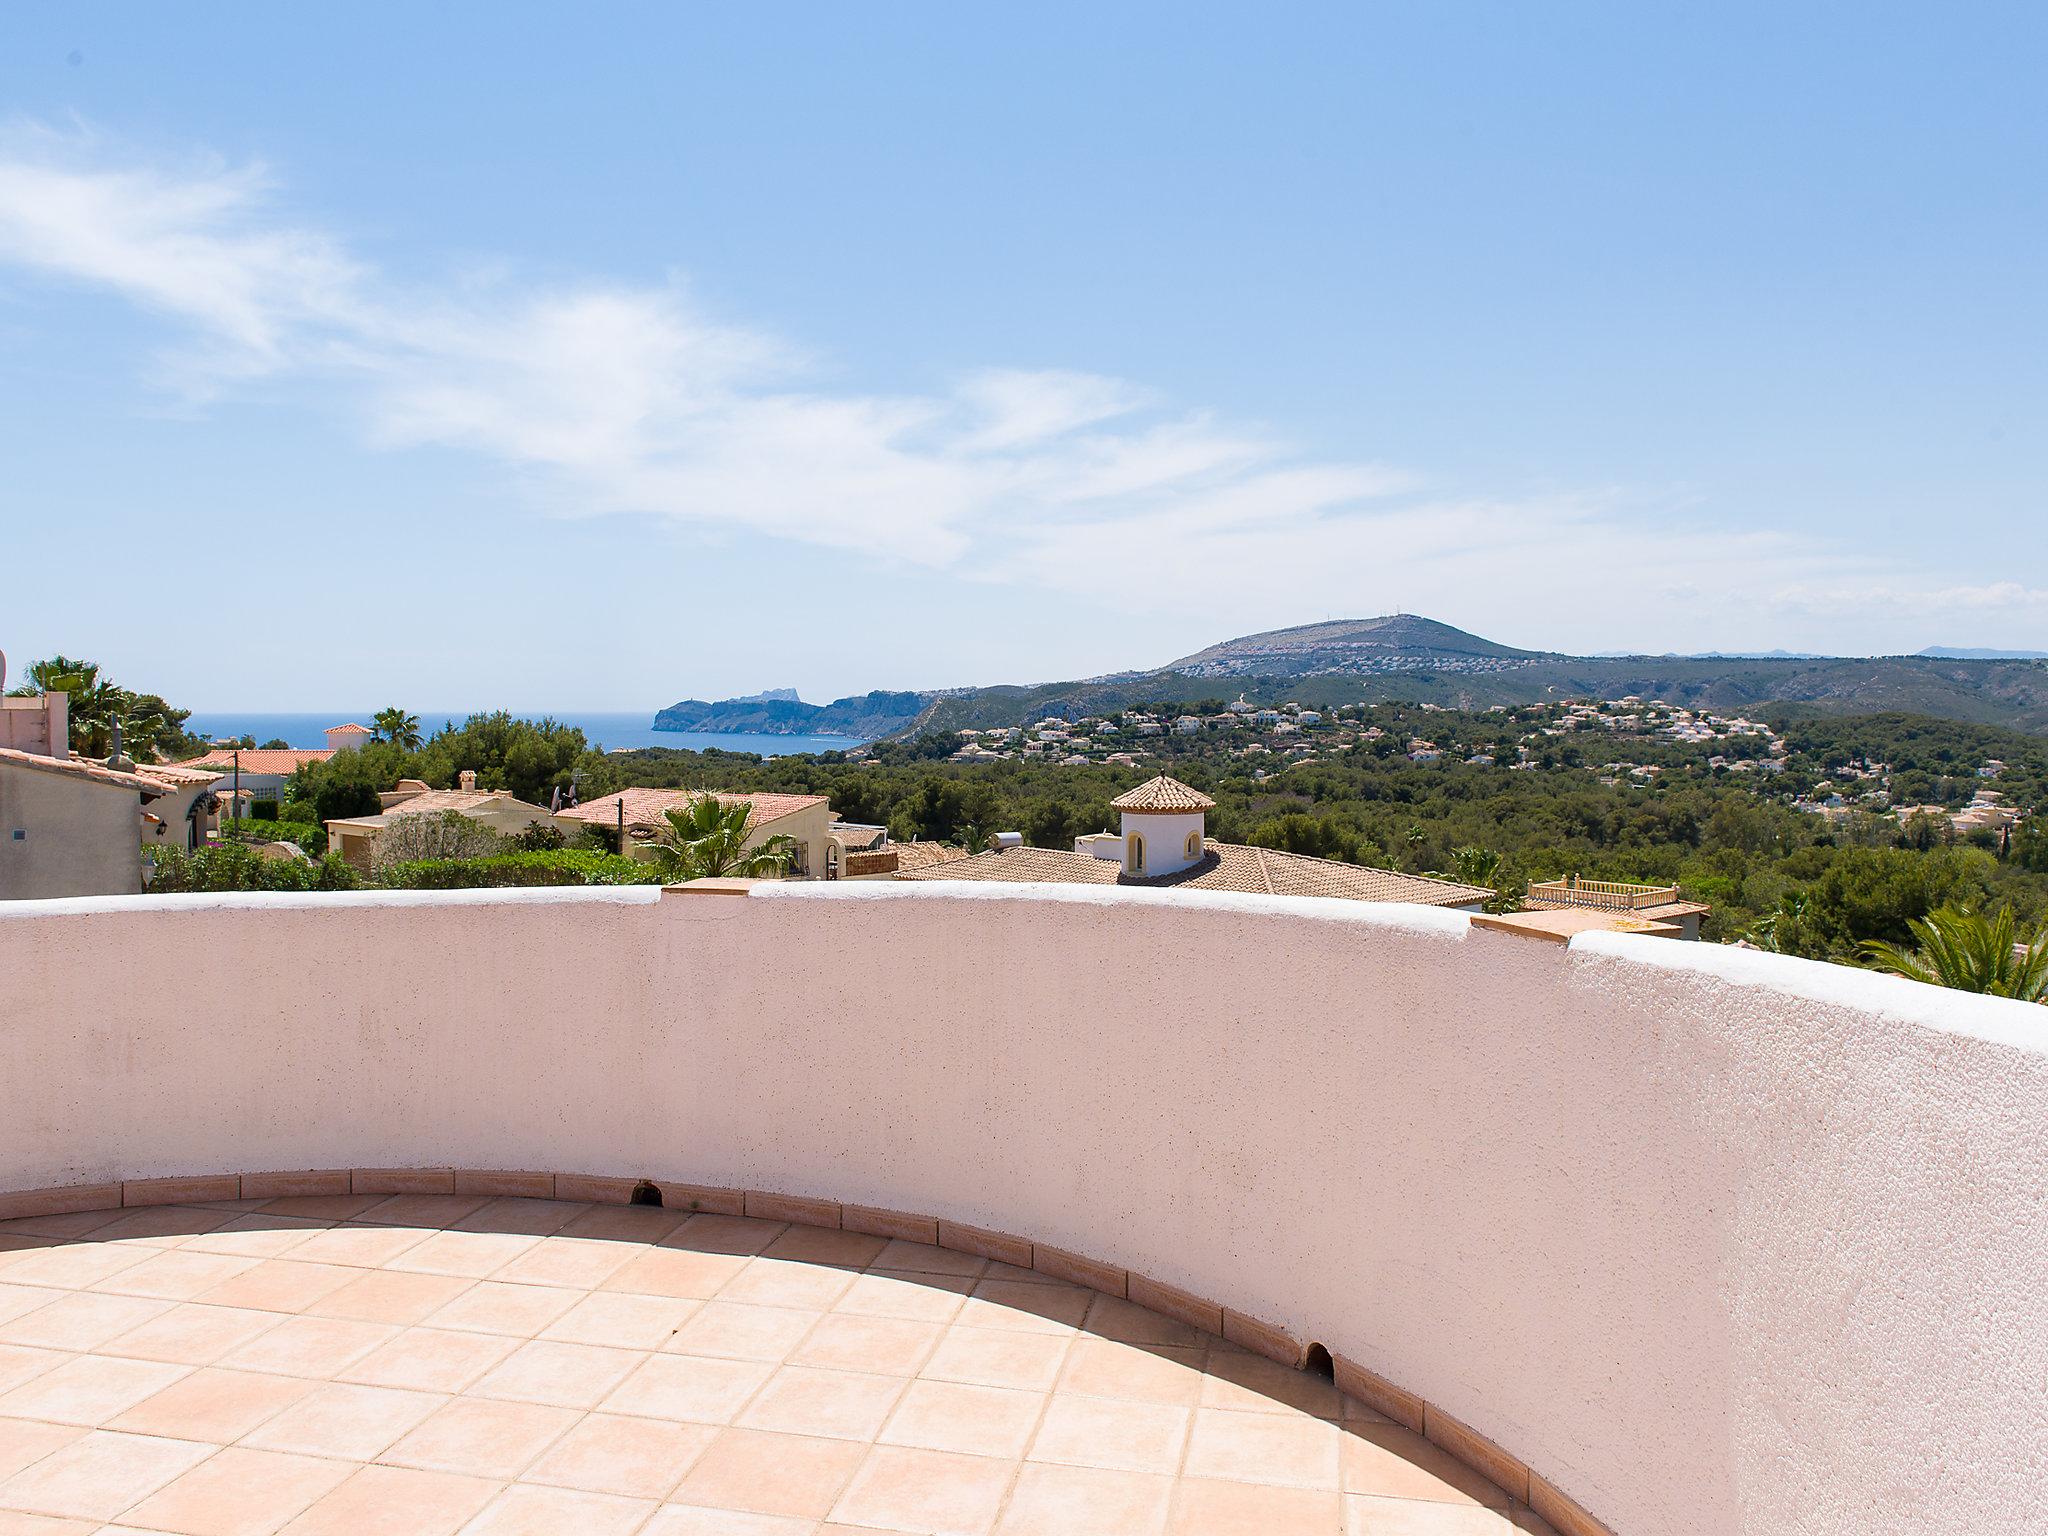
{"x":175,"y":1274}
{"x":1202,"y":1507}
{"x":81,"y":1320}
{"x":20,"y":1363}
{"x":724,"y":1234}
{"x":567,"y":1375}
{"x":924,"y":1259}
{"x":952,"y":1416}
{"x":397,"y":1501}
{"x":279,"y":1285}
{"x":161,"y":1226}
{"x":1111,"y":1317}
{"x":1009,"y":1305}
{"x":213,"y":1404}
{"x":490,"y":1306}
{"x":573,"y":1261}
{"x":1085,"y":1501}
{"x":1117,"y":1436}
{"x":24,"y":1443}
{"x":912,"y":1297}
{"x":308,"y":1346}
{"x":321,"y":1207}
{"x":191,"y":1334}
{"x":386,"y":1296}
{"x":691,"y":1520}
{"x":352,"y":1423}
{"x":689,"y":1388}
{"x":525,"y":1510}
{"x":843,"y":1405}
{"x":360,"y":1247}
{"x":424,"y":1210}
{"x":886,"y":1346}
{"x":20,"y":1300}
{"x":1251,"y":1383}
{"x":621,"y":1320}
{"x":626,"y":1223}
{"x":429,"y":1360}
{"x":676,"y":1272}
{"x":256,"y":1236}
{"x":89,"y":1390}
{"x":768,"y":1474}
{"x":781,"y":1283}
{"x":69,"y":1224}
{"x":1156,"y":1373}
{"x":902,"y":1489}
{"x":826,"y":1245}
{"x":993,"y":1357}
{"x":635,"y":1458}
{"x":100,"y":1474}
{"x":730,"y":1330}
{"x":1393,"y":1462}
{"x":13,"y":1523}
{"x":472,"y":1255}
{"x":1365,"y":1515}
{"x":239,"y":1493}
{"x":521,"y":1216}
{"x":1264,"y":1448}
{"x":482,"y":1439}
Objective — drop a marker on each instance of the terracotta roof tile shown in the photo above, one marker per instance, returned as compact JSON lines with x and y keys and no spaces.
{"x":1223,"y":867}
{"x":645,"y":807}
{"x":1163,"y":794}
{"x":79,"y":768}
{"x":258,"y":759}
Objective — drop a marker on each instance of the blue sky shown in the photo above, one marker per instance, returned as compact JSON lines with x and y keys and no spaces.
{"x":593,"y":357}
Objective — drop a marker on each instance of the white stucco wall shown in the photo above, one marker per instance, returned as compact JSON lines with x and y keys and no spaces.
{"x":1166,"y":838}
{"x":1723,"y":1244}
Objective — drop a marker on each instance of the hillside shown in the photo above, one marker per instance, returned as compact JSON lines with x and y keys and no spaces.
{"x":1402,"y":658}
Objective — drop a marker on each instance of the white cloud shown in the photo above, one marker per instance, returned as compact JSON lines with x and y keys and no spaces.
{"x":619,"y":399}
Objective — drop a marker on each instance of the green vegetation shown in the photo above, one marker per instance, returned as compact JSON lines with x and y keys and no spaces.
{"x":151,"y":731}
{"x":708,"y":841}
{"x":562,"y":866}
{"x":1972,"y":953}
{"x":237,"y":867}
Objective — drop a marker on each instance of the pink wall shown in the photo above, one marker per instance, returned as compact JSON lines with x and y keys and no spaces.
{"x":1716,"y":1241}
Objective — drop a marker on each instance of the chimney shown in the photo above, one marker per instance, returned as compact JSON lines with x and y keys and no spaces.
{"x":467,"y":779}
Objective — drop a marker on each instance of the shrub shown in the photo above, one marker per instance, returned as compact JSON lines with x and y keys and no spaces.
{"x":565,"y":866}
{"x":447,"y":835}
{"x":237,"y":867}
{"x":302,"y":834}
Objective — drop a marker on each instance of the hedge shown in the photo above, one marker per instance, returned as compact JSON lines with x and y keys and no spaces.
{"x":236,"y":867}
{"x":558,"y":866}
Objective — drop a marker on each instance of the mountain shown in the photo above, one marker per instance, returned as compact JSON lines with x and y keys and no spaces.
{"x":866,"y":717}
{"x":1403,"y":658}
{"x":1980,"y":653}
{"x":1399,"y":642}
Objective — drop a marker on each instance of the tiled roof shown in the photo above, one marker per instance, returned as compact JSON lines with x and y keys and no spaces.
{"x":437,"y":801}
{"x":258,"y":759}
{"x":926,"y":855}
{"x":1223,"y":867}
{"x":645,"y":807}
{"x":1163,"y":794}
{"x":77,"y":768}
{"x":172,"y":774}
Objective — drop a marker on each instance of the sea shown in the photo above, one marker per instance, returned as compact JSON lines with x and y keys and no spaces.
{"x":606,"y":731}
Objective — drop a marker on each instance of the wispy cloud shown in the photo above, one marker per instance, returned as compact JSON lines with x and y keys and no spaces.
{"x":619,"y":399}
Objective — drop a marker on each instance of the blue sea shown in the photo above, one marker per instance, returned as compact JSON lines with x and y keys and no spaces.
{"x":608,"y":731}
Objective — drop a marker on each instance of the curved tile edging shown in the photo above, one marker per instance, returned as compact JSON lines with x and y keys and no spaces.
{"x":1500,"y":1467}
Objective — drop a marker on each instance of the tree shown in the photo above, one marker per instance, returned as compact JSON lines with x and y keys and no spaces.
{"x":1970,"y":952}
{"x":447,"y":835}
{"x":707,"y":840}
{"x":397,"y":727}
{"x":96,"y":707}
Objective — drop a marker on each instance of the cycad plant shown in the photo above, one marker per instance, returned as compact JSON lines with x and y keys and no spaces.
{"x":707,"y":840}
{"x":1971,"y":952}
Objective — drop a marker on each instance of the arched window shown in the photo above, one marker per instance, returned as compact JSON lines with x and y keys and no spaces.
{"x":1134,"y":855}
{"x":1195,"y":845}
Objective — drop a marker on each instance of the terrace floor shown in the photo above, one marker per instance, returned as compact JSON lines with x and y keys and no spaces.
{"x":427,"y":1365}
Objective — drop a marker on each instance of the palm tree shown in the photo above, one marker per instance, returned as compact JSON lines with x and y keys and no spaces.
{"x":1971,"y":952}
{"x":397,"y":727}
{"x":1780,"y":923}
{"x":95,"y":706}
{"x":707,"y":840}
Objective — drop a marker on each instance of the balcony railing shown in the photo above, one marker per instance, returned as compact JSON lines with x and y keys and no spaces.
{"x":1605,"y":895}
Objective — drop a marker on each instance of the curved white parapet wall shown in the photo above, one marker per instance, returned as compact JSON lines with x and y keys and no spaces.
{"x":1717,"y":1242}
